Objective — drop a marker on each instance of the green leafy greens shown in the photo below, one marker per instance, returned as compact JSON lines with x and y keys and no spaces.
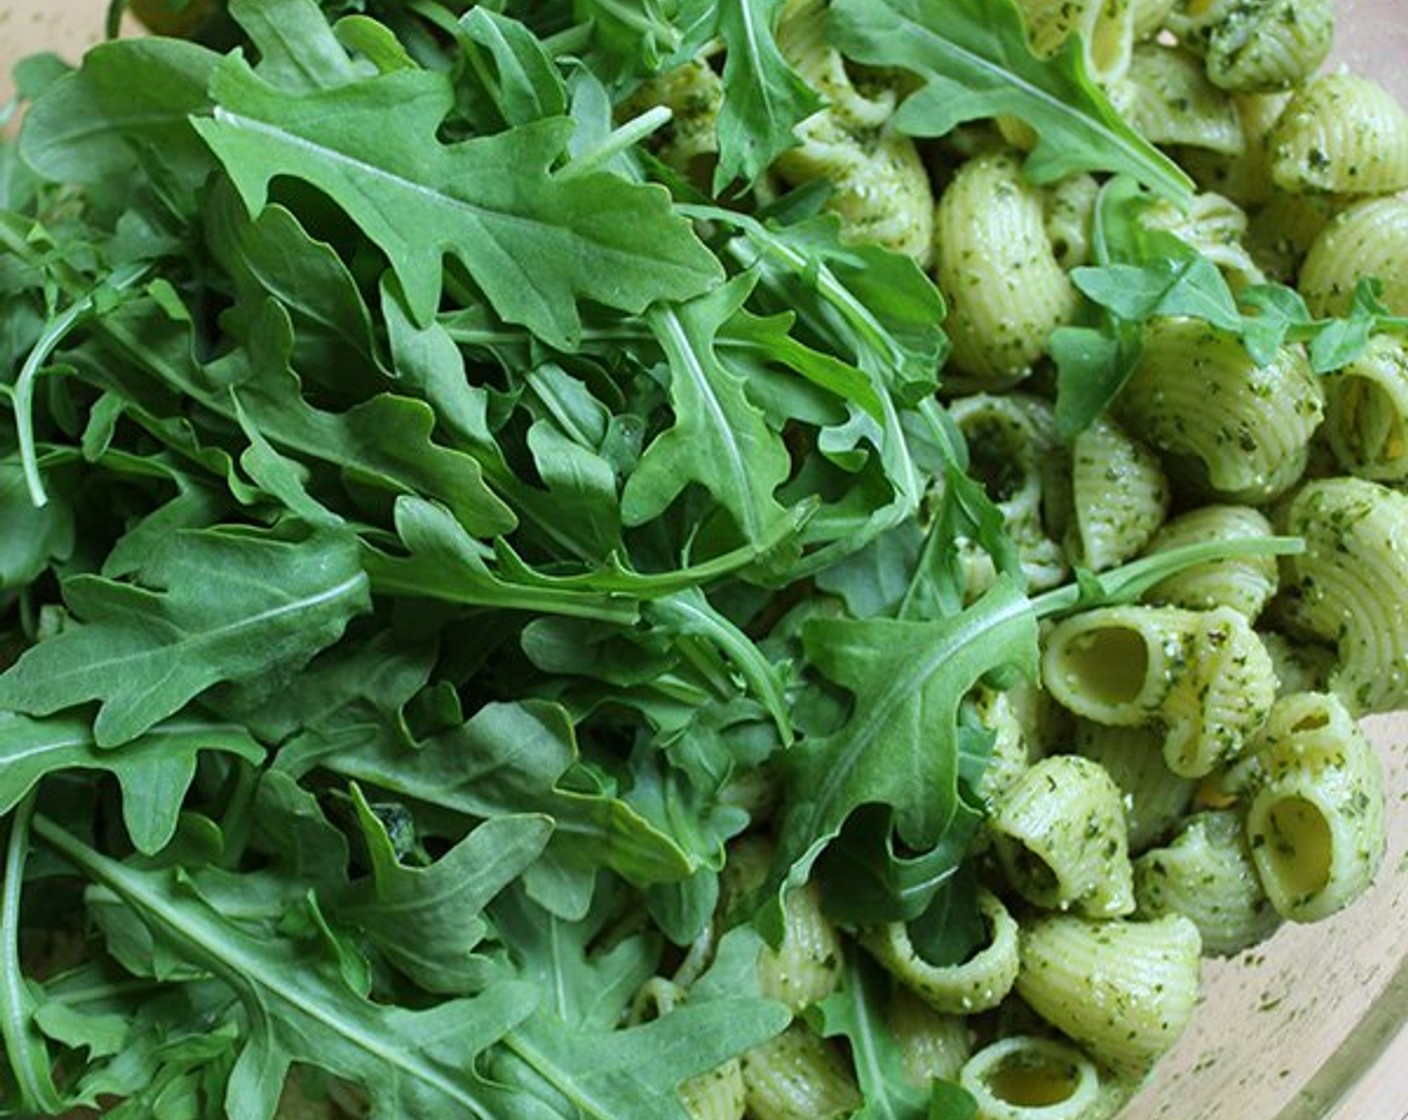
{"x":429,"y":519}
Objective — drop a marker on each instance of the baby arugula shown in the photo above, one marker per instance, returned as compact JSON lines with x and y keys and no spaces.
{"x":429,"y":524}
{"x":1142,"y":273}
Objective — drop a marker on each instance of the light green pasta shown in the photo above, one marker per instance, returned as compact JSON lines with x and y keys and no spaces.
{"x":1105,"y":27}
{"x":1300,"y":666}
{"x":798,"y":1075}
{"x":1257,"y":46}
{"x":1166,"y":95}
{"x":1116,"y":665}
{"x":1069,"y":206}
{"x":1223,"y":696}
{"x":1367,"y":239}
{"x":1239,"y":429}
{"x":693,"y":93}
{"x":932,"y":1044}
{"x":1124,"y":990}
{"x":1350,"y":585}
{"x":1342,"y":133}
{"x":806,"y":965}
{"x":1366,"y":412}
{"x":1285,"y":226}
{"x":1216,"y":227}
{"x":1149,"y":16}
{"x":719,"y":1094}
{"x":1155,"y":798}
{"x":1014,"y":451}
{"x":1243,"y":177}
{"x":1315,"y":823}
{"x":978,"y":984}
{"x":1207,"y":874}
{"x":1030,"y":1077}
{"x":1009,"y":755}
{"x":996,"y":267}
{"x":1244,"y":583}
{"x":1119,"y":495}
{"x":1060,"y":838}
{"x":879,"y":185}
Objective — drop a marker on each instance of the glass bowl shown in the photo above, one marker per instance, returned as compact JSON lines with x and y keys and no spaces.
{"x":1306,"y":1027}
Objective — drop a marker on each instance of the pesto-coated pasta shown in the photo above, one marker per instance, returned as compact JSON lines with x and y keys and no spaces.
{"x":1244,"y":583}
{"x":1367,"y":239}
{"x":1260,"y":45}
{"x":1350,"y":585}
{"x":1222,"y":697}
{"x":1030,"y":1077}
{"x":717,"y":1095}
{"x":1216,"y":227}
{"x":1315,"y":823}
{"x":1300,"y":666}
{"x":1116,"y":665}
{"x":693,"y":93}
{"x":798,"y":1075}
{"x":1060,"y":838}
{"x":1119,"y":495}
{"x":995,"y":265}
{"x":1243,"y":177}
{"x":978,"y":984}
{"x":1124,"y":990}
{"x":1105,"y":27}
{"x":1167,"y":96}
{"x":1069,"y":206}
{"x":1241,"y":430}
{"x":1009,"y":755}
{"x":879,"y":185}
{"x":932,"y":1044}
{"x":1366,"y":412}
{"x":1285,"y":226}
{"x":1341,"y":133}
{"x":1206,"y":873}
{"x":1155,"y":798}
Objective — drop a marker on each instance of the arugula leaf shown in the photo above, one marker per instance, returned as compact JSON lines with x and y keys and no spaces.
{"x":427,"y":920}
{"x":534,"y":244}
{"x":719,"y":438}
{"x":975,"y":61}
{"x":145,"y":649}
{"x":853,"y":1012}
{"x":899,"y":746}
{"x":154,"y":769}
{"x":409,"y":1062}
{"x":510,"y":758}
{"x":764,"y":97}
{"x":130,"y":101}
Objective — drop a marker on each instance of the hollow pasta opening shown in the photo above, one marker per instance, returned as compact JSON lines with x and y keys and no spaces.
{"x":1033,"y":1079}
{"x":1368,"y":421}
{"x":1111,"y":664}
{"x":1034,"y":873}
{"x":1298,"y":846}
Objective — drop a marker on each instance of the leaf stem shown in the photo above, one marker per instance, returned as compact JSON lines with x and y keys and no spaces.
{"x":36,"y":1088}
{"x":627,"y":136}
{"x":1129,"y":581}
{"x":22,"y":397}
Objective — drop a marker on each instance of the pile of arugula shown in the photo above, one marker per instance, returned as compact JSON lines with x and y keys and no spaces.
{"x":424,"y":515}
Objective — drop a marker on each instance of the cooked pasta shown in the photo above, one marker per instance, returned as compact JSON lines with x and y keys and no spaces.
{"x":978,"y":984}
{"x":1105,"y":27}
{"x":1316,"y":819}
{"x":1341,"y":133}
{"x":1124,"y":990}
{"x":1155,"y":798}
{"x":1206,"y":873}
{"x":1349,"y":587}
{"x":798,"y":1075}
{"x":1244,"y":583}
{"x":1366,"y":412}
{"x":1241,"y":430}
{"x":1260,"y":45}
{"x":997,"y":270}
{"x":879,"y":185}
{"x":1030,"y":1077}
{"x":1119,"y":495}
{"x":1367,"y":239}
{"x":1166,"y":94}
{"x":934,"y":1045}
{"x":1060,"y":838}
